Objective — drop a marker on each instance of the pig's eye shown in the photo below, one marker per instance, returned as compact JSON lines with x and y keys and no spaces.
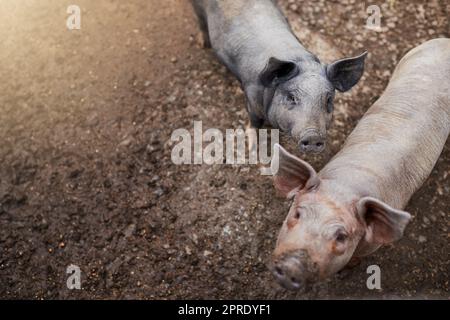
{"x":297,"y":214}
{"x":341,"y":236}
{"x":291,"y":98}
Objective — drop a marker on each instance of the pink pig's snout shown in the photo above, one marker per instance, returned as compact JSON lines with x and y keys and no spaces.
{"x":294,"y":270}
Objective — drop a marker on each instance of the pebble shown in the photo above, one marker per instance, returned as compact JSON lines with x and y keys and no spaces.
{"x":126,"y":142}
{"x":159,"y":192}
{"x":207,"y":253}
{"x":422,"y":239}
{"x":129,"y":230}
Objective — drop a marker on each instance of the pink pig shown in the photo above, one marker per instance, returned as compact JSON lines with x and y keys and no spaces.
{"x":354,"y":204}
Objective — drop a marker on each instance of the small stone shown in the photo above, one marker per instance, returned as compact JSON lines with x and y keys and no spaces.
{"x":151,"y":148}
{"x":422,"y":239}
{"x":126,"y":142}
{"x":159,"y":192}
{"x":129,"y":230}
{"x":391,"y":25}
{"x":207,"y":253}
{"x":195,"y":238}
{"x":226,"y":230}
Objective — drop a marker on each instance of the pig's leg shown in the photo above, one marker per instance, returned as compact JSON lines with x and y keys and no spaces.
{"x":202,"y":23}
{"x":252,"y":93}
{"x":252,"y":137}
{"x":206,"y":43}
{"x":254,"y":123}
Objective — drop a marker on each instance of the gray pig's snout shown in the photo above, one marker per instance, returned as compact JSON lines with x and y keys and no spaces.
{"x":312,"y":141}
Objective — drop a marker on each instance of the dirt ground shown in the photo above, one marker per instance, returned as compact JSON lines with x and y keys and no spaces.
{"x":86,"y":176}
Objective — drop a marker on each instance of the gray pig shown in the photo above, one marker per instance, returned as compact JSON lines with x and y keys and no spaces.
{"x":285,"y":85}
{"x":354,"y":204}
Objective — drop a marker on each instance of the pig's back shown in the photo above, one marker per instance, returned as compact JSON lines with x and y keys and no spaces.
{"x":246,"y":33}
{"x":398,"y":141}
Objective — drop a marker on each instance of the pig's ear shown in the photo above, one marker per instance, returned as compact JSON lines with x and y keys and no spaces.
{"x":384,"y":223}
{"x":278,"y":71}
{"x":291,"y":173}
{"x":345,"y":73}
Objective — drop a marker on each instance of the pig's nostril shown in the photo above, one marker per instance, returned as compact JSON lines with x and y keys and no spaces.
{"x":319,"y":144}
{"x":305,"y":143}
{"x":295,"y":283}
{"x":278,"y":271}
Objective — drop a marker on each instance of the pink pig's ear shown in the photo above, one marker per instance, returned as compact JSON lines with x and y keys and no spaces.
{"x":384,"y":223}
{"x":291,"y":173}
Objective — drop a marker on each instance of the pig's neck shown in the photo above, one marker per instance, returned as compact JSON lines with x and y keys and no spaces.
{"x":393,"y":149}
